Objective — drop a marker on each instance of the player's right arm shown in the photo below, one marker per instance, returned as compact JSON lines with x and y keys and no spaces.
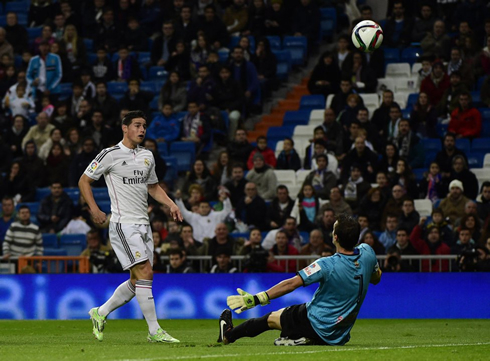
{"x":376,"y":276}
{"x":84,"y":184}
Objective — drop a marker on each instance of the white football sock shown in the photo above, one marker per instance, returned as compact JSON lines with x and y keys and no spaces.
{"x":144,"y":295}
{"x":122,"y":295}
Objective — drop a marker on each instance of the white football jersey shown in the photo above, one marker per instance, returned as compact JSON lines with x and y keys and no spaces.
{"x":127,"y":174}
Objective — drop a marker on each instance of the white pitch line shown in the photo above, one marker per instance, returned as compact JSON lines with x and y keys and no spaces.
{"x":325,"y":349}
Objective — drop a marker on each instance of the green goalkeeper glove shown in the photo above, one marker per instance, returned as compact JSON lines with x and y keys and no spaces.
{"x":247,"y":301}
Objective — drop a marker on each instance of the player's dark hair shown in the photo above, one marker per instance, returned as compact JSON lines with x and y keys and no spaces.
{"x":347,"y":230}
{"x":128,"y":118}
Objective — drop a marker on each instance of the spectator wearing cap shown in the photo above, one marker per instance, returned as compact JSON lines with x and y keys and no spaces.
{"x":436,"y":83}
{"x":465,"y":119}
{"x":44,"y":71}
{"x":266,"y":152}
{"x":322,"y":180}
{"x":263,"y":176}
{"x":363,"y":156}
{"x":454,"y":204}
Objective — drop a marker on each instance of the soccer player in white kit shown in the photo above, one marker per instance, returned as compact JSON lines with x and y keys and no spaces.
{"x":129,"y":172}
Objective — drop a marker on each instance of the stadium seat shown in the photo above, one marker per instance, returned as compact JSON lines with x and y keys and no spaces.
{"x":144,"y":57}
{"x":151,"y":86}
{"x":328,"y":22}
{"x":56,"y":252}
{"x":412,"y":99}
{"x":303,"y":133}
{"x":480,"y":82}
{"x":154,"y":103}
{"x":157,"y":72}
{"x":34,"y":33}
{"x":475,"y":159}
{"x":294,"y":189}
{"x":17,"y":7}
{"x":144,"y":72}
{"x":398,"y":70}
{"x":481,"y":145}
{"x":463,"y":144}
{"x":482,"y":174}
{"x":476,"y":99}
{"x":401,"y":98}
{"x":310,"y":102}
{"x":419,"y":173}
{"x":185,"y":152}
{"x":485,"y":128}
{"x":370,"y":99}
{"x":64,"y":89}
{"x":301,"y":174}
{"x":74,"y":194}
{"x":22,"y":19}
{"x":328,"y":103}
{"x":89,"y":44}
{"x":411,"y":55}
{"x":74,"y":244}
{"x":117,"y":87}
{"x":275,"y":42}
{"x":101,"y":194}
{"x":283,"y":63}
{"x":407,"y":85}
{"x":392,"y":55}
{"x":33,"y":207}
{"x":105,"y":206}
{"x":297,"y":46}
{"x":278,"y":149}
{"x":296,"y":117}
{"x":286,"y":177}
{"x":423,"y":206}
{"x":172,"y":172}
{"x":430,"y":156}
{"x":42,"y":193}
{"x":486,"y":161}
{"x":162,"y":149}
{"x":415,"y":68}
{"x":316,"y":117}
{"x":431,"y":145}
{"x":50,"y":240}
{"x":223,"y":55}
{"x":441,"y":129}
{"x":275,"y":134}
{"x":406,"y":113}
{"x":385,"y":84}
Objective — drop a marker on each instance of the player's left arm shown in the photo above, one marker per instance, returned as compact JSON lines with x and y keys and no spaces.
{"x":376,"y":276}
{"x":161,"y":197}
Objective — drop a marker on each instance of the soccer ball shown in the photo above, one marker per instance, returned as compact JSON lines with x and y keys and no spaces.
{"x":367,"y":36}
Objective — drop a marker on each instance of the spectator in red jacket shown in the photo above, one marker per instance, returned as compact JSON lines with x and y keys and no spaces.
{"x":436,"y":83}
{"x":267,"y":153}
{"x":465,"y":119}
{"x":432,"y":246}
{"x":282,"y":248}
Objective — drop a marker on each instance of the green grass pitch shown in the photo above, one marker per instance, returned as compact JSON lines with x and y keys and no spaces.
{"x":126,"y":340}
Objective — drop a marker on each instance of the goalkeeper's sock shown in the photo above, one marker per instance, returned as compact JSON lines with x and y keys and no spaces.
{"x":144,"y":295}
{"x":122,"y":295}
{"x":250,"y":328}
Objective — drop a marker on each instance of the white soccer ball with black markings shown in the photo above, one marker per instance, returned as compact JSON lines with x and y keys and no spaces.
{"x":367,"y":36}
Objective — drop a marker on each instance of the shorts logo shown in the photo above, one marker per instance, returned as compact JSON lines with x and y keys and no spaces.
{"x":312,"y":269}
{"x":138,"y":255}
{"x":147,"y":162}
{"x":94,"y":165}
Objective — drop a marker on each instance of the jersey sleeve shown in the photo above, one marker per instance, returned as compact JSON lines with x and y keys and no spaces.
{"x":99,"y":165}
{"x":372,"y":255}
{"x":315,"y":272}
{"x":152,"y":175}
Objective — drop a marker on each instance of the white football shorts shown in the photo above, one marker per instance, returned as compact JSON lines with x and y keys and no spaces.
{"x":132,"y":243}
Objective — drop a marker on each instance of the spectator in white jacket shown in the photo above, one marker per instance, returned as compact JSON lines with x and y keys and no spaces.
{"x":205,"y":220}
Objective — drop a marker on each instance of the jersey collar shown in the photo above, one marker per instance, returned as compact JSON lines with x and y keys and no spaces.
{"x":128,"y":150}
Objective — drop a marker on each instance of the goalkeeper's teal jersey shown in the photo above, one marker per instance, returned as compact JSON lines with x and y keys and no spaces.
{"x":344,"y":281}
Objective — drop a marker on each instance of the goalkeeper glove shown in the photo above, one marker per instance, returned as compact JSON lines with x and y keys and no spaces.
{"x":246,"y":301}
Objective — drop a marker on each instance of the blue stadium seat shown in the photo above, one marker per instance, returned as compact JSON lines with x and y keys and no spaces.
{"x":430,"y":156}
{"x":481,"y":145}
{"x":305,"y":236}
{"x":144,"y":57}
{"x":34,"y":33}
{"x":89,"y":44}
{"x":105,"y":206}
{"x":74,"y":194}
{"x":310,"y":102}
{"x":476,"y":98}
{"x":33,"y":207}
{"x":475,"y":159}
{"x":283,"y":63}
{"x":91,"y":58}
{"x":50,"y":240}
{"x":150,"y":86}
{"x":485,"y":128}
{"x":117,"y":96}
{"x":328,"y":22}
{"x":17,"y":60}
{"x":119,"y":87}
{"x":411,"y":55}
{"x":42,"y":193}
{"x":226,"y":118}
{"x":463,"y":144}
{"x":297,"y":47}
{"x":162,"y":149}
{"x":101,"y":194}
{"x":74,"y":244}
{"x":432,"y":144}
{"x":419,"y":173}
{"x":392,"y":55}
{"x":144,"y":72}
{"x":279,"y":133}
{"x":185,"y":152}
{"x":441,"y":129}
{"x":64,"y":89}
{"x":485,"y":113}
{"x":17,"y":7}
{"x":22,"y":19}
{"x":296,"y":117}
{"x":480,"y":81}
{"x":56,"y":252}
{"x":406,"y":113}
{"x":3,"y":20}
{"x":154,"y":103}
{"x":412,"y":99}
{"x":275,"y":42}
{"x":240,"y":235}
{"x":157,"y":72}
{"x":223,"y":55}
{"x":172,"y":171}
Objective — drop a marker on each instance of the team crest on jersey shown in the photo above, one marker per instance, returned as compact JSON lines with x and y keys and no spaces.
{"x":356,"y":264}
{"x":312,"y":269}
{"x":138,"y":255}
{"x":147,"y":162}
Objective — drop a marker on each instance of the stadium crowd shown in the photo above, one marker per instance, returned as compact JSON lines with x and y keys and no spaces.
{"x":63,"y":103}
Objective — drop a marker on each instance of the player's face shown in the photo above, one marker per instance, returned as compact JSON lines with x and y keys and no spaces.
{"x":135,"y":132}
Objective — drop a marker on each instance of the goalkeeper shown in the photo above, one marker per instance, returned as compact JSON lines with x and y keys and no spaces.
{"x":328,"y":318}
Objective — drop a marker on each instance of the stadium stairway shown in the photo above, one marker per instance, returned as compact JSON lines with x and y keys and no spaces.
{"x":275,"y":118}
